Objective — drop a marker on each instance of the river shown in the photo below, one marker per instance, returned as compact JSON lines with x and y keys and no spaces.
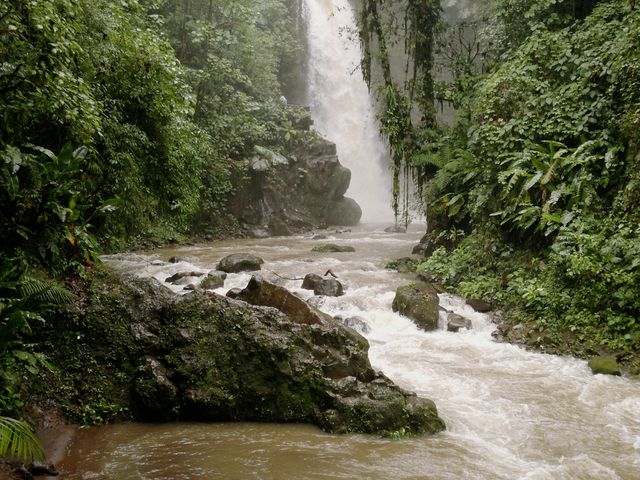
{"x":510,"y":413}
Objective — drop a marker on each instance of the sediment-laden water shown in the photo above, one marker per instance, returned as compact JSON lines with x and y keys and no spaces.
{"x":510,"y":414}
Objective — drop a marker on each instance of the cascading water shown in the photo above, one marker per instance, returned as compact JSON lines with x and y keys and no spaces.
{"x":342,"y":107}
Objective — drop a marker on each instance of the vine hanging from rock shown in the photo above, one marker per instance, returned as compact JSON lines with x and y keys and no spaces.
{"x":414,"y":97}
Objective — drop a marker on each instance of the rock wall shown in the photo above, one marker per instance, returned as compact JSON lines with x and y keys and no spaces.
{"x":285,"y":196}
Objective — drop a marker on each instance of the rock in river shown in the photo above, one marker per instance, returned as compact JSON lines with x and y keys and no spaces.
{"x":220,"y":359}
{"x":240,"y":262}
{"x":419,"y":302}
{"x":329,"y":287}
{"x":332,"y":248}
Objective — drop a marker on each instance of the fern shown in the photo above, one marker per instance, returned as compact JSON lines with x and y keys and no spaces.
{"x":18,"y":441}
{"x":45,"y":291}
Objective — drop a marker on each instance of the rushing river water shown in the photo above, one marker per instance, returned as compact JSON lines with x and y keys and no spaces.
{"x":510,"y":414}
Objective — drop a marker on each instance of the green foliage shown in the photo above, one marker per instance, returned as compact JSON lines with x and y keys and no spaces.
{"x":24,"y":300}
{"x":46,"y":212}
{"x":541,"y":170}
{"x":18,"y":441}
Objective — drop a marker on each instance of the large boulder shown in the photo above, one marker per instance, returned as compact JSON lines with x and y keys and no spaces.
{"x":220,"y":359}
{"x":286,"y":196}
{"x":344,"y":211}
{"x":419,"y":302}
{"x":240,"y":262}
{"x":329,"y":287}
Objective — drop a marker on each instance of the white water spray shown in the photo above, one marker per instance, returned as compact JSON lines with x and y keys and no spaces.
{"x":342,"y":107}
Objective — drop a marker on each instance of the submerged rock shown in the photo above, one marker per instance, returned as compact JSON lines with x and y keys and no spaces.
{"x":213,"y":281}
{"x":395,"y":229}
{"x":240,"y":262}
{"x":220,"y":359}
{"x":329,"y":287}
{"x":178,"y":259}
{"x":419,"y":302}
{"x":604,"y":365}
{"x":359,"y":324}
{"x":456,"y":322}
{"x":332,"y":248}
{"x":179,"y":276}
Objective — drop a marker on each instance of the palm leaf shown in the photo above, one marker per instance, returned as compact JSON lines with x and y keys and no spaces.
{"x":18,"y":441}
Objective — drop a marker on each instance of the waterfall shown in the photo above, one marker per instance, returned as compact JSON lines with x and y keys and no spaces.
{"x":342,"y":107}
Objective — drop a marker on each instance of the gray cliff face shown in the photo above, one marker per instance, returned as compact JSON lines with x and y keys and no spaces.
{"x":287,"y":196}
{"x":264,"y":357}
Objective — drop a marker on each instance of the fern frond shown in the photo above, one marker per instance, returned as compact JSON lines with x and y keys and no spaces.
{"x":19,"y":442}
{"x":45,"y":291}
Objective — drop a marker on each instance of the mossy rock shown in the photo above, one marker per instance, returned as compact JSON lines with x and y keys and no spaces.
{"x":604,"y":366}
{"x":332,"y":248}
{"x":419,"y":302}
{"x":204,"y":357}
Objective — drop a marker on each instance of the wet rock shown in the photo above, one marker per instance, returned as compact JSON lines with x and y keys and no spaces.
{"x":38,"y":469}
{"x":261,"y":292}
{"x":419,"y":302}
{"x":178,"y":259}
{"x":604,"y":365}
{"x":329,"y":287}
{"x":178,"y":276}
{"x":154,"y":390}
{"x":221,"y":359}
{"x":403,"y":265}
{"x":332,"y":248}
{"x":211,"y":282}
{"x":190,"y":287}
{"x":235,"y":293}
{"x":345,"y":211}
{"x":217,"y":273}
{"x":422,"y":249}
{"x":479,"y":305}
{"x":456,"y":322}
{"x":319,"y":237}
{"x":395,"y":229}
{"x":240,"y":262}
{"x":357,"y":323}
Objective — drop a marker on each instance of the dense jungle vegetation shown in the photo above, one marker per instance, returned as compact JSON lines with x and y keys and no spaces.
{"x":123,"y":122}
{"x":129,"y":121}
{"x":532,"y":194}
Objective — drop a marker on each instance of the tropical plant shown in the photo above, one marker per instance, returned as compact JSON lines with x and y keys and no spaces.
{"x":18,"y":441}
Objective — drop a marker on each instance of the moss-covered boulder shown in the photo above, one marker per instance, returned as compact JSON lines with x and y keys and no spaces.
{"x":332,"y":248}
{"x":604,"y":365}
{"x":419,"y":302}
{"x":212,"y":358}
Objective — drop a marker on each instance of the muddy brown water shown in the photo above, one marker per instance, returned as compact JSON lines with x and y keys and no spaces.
{"x":510,"y":414}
